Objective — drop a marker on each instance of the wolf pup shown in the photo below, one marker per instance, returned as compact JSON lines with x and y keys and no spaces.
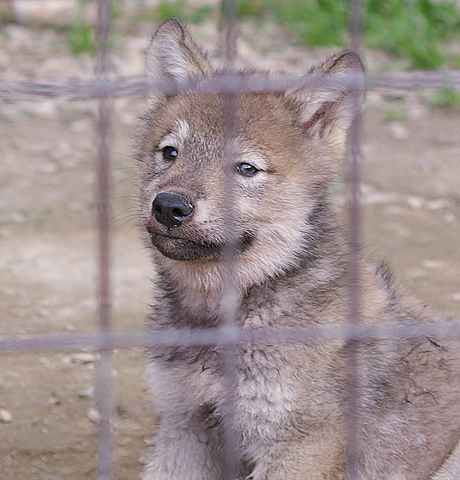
{"x":290,"y":269}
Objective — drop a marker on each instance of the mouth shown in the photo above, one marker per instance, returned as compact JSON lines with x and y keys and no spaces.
{"x":183,"y":249}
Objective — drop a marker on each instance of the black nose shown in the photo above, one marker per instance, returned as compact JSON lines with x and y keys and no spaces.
{"x":172,"y":209}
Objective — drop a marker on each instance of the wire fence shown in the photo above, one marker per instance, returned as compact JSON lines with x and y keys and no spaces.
{"x":228,"y":335}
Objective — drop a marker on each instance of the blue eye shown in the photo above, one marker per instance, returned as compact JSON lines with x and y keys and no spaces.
{"x":170,"y":153}
{"x":246,"y":169}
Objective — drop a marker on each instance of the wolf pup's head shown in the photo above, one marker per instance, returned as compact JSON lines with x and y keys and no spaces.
{"x":261,"y":190}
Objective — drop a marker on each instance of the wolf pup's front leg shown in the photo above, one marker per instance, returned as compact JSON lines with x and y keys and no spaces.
{"x":186,"y":454}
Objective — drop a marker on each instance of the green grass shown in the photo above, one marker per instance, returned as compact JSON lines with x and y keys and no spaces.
{"x":447,"y":98}
{"x":397,"y":113}
{"x":419,"y":30}
{"x":80,"y":33}
{"x":181,"y":10}
{"x":81,"y":36}
{"x":416,"y":29}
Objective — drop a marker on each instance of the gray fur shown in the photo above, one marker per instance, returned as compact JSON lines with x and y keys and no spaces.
{"x":290,"y":269}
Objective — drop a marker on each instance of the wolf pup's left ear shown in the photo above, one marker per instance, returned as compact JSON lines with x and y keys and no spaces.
{"x":174,"y":54}
{"x":328,"y":111}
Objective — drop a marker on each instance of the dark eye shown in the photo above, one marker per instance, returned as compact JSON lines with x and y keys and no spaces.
{"x":170,"y":153}
{"x":246,"y":169}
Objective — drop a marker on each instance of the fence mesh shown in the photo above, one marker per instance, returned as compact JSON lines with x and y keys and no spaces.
{"x":228,"y":336}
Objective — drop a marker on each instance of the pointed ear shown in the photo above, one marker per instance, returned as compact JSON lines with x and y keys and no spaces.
{"x":174,"y":54}
{"x":328,"y":111}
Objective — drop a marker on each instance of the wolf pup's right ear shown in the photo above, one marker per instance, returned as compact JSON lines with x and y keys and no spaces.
{"x":173,"y":54}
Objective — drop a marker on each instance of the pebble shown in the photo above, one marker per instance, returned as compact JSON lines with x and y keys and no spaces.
{"x":84,"y":358}
{"x":398,"y":131}
{"x":5,"y":416}
{"x":45,"y":362}
{"x":433,"y":263}
{"x":12,"y":218}
{"x":125,"y":441}
{"x":88,"y":392}
{"x":93,"y":415}
{"x":48,"y":167}
{"x":399,"y":230}
{"x":45,"y":109}
{"x":61,"y":150}
{"x":438,"y":204}
{"x":414,"y":202}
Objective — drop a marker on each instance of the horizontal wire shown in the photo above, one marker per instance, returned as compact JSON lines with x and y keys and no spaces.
{"x":225,"y":83}
{"x":226,"y":336}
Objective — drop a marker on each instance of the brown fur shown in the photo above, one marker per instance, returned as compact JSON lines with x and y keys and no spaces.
{"x":289,"y":269}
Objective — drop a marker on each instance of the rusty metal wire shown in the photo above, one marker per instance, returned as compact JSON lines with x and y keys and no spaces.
{"x":228,"y":336}
{"x":104,"y":389}
{"x":356,"y":28}
{"x":221,"y":336}
{"x":225,"y":83}
{"x":229,"y":294}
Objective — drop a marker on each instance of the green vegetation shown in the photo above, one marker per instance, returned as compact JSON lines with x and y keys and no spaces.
{"x":179,"y":9}
{"x":397,"y":113}
{"x":81,"y":34}
{"x":314,"y":22}
{"x":419,"y":30}
{"x":416,"y":29}
{"x":447,"y":98}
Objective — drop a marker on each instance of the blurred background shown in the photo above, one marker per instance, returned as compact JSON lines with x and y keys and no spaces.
{"x":48,"y":151}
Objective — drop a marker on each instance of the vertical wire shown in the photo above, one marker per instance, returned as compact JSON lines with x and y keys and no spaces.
{"x":356,"y":25}
{"x":354,"y":307}
{"x":103,"y":376}
{"x":230,"y":293}
{"x":356,"y":29}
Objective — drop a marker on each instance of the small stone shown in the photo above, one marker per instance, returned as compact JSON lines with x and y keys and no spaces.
{"x":455,"y":297}
{"x":12,"y":218}
{"x":45,"y":362}
{"x":84,"y":358}
{"x":61,"y":150}
{"x":414,"y":202}
{"x":93,"y":415}
{"x":5,"y":416}
{"x":48,"y":167}
{"x":88,"y":392}
{"x":46,"y":109}
{"x":438,"y":204}
{"x":67,"y":360}
{"x":398,"y":131}
{"x":125,"y":441}
{"x":80,"y":126}
{"x":433,"y":264}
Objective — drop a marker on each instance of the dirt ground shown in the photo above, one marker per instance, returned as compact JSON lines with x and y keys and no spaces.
{"x":411,"y":214}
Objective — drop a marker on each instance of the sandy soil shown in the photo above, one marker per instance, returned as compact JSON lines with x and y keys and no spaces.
{"x":411,"y":210}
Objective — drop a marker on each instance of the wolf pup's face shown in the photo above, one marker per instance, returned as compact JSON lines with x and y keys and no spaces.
{"x":261,"y":188}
